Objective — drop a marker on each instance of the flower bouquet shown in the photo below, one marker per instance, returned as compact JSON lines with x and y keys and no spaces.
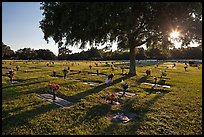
{"x":125,"y":86}
{"x":90,"y":66}
{"x":185,"y":67}
{"x":54,"y":88}
{"x":17,"y":67}
{"x":163,"y":73}
{"x":148,"y":72}
{"x":122,"y":68}
{"x":110,"y":97}
{"x":11,"y":73}
{"x":54,"y":73}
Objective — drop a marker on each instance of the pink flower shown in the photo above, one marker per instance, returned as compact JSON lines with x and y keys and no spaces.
{"x":12,"y":72}
{"x":54,"y":71}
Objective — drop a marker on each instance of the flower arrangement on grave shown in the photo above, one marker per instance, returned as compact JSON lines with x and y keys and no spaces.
{"x":110,"y":97}
{"x":65,"y":71}
{"x":122,"y":68}
{"x":112,"y":68}
{"x":11,"y":73}
{"x":148,"y":72}
{"x":54,"y":88}
{"x":17,"y":67}
{"x":185,"y":67}
{"x":198,"y":67}
{"x":54,"y":73}
{"x":164,"y":73}
{"x":125,"y":86}
{"x":68,"y":68}
{"x":90,"y":66}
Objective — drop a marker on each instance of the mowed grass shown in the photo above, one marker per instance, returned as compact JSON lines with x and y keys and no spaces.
{"x":174,"y":111}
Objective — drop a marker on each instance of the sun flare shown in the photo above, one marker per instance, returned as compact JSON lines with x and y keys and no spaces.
{"x":174,"y":34}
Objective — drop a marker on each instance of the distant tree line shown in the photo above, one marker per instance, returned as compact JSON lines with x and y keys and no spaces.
{"x":141,"y":54}
{"x":27,"y":54}
{"x":101,"y":54}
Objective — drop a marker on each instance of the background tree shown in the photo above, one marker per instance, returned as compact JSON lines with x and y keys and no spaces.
{"x":132,"y":24}
{"x":94,"y":53}
{"x":140,"y":54}
{"x":7,"y":53}
{"x":45,"y":54}
{"x":26,"y":54}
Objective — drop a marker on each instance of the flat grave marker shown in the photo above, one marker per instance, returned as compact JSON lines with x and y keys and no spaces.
{"x":127,"y":94}
{"x":164,"y":86}
{"x":59,"y":101}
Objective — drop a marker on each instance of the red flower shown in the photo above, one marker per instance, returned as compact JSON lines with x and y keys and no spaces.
{"x":54,"y":86}
{"x":112,"y":95}
{"x":148,"y":72}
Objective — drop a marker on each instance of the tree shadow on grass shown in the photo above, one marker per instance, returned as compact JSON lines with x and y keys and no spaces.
{"x":79,"y":96}
{"x":141,"y":114}
{"x":161,"y":81}
{"x":24,"y":117}
{"x":96,"y":112}
{"x":24,"y":83}
{"x":132,"y":126}
{"x":13,"y":94}
{"x":154,"y":90}
{"x":142,"y":79}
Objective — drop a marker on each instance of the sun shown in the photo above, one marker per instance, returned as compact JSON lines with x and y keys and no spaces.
{"x":174,"y":34}
{"x":175,"y":37}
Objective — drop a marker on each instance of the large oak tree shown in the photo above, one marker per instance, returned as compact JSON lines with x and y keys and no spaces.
{"x":132,"y":24}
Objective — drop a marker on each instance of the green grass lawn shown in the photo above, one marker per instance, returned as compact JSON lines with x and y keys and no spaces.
{"x":174,"y":111}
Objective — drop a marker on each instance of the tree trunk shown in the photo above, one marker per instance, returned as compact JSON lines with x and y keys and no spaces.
{"x":132,"y":70}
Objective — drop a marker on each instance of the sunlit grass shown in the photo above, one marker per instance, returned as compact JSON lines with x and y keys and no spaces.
{"x":176,"y":111}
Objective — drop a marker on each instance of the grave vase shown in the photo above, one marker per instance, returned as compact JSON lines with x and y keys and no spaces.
{"x":54,"y":94}
{"x":11,"y":79}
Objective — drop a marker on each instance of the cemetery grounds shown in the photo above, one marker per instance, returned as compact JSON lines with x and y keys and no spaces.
{"x":158,"y":111}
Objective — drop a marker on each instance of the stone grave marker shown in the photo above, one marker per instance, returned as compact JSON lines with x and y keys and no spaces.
{"x":164,"y":86}
{"x":59,"y":101}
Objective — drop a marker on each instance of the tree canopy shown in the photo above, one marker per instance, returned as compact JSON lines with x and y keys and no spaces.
{"x":7,"y":52}
{"x":131,"y":23}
